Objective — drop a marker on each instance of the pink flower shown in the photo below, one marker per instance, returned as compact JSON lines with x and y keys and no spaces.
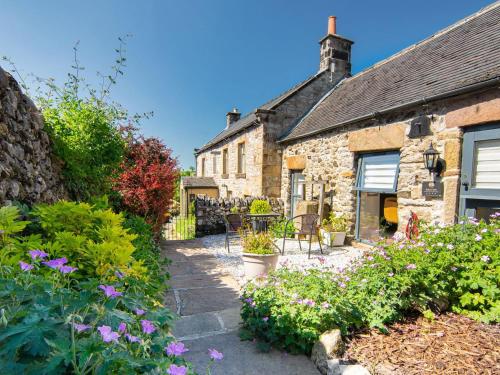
{"x":325,"y":305}
{"x":411,"y":266}
{"x":485,"y":258}
{"x":110,"y":291}
{"x":176,"y":349}
{"x":56,"y":263}
{"x":81,"y":327}
{"x":177,"y":370}
{"x":38,"y":254}
{"x":390,"y":274}
{"x":484,"y":230}
{"x":107,"y":334}
{"x":25,"y":266}
{"x":478,"y":237}
{"x":215,"y":355}
{"x":147,"y":326}
{"x":265,"y":319}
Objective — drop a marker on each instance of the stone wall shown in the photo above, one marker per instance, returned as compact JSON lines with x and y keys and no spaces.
{"x":332,"y":157}
{"x":210,"y":212}
{"x":27,"y":171}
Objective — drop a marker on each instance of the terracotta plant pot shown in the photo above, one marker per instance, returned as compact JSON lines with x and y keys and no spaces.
{"x":333,"y":238}
{"x":259,"y":264}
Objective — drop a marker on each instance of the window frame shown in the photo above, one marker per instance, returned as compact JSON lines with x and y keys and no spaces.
{"x":214,"y":164}
{"x":225,"y":161}
{"x":242,"y":156}
{"x":377,"y":155}
{"x":203,"y":167}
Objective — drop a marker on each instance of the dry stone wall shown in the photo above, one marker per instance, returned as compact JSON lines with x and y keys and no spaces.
{"x":210,"y":212}
{"x":28,"y":173}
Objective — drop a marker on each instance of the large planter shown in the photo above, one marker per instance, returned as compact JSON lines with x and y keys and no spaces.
{"x":332,"y":238}
{"x":259,"y":264}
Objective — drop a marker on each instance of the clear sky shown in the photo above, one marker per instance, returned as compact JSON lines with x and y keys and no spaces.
{"x":191,"y":61}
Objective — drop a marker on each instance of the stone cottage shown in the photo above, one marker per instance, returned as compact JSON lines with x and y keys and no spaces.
{"x":361,"y":144}
{"x":244,"y":159}
{"x":365,"y":142}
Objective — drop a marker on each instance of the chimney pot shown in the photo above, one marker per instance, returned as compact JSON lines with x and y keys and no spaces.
{"x":332,"y":25}
{"x":232,"y":116}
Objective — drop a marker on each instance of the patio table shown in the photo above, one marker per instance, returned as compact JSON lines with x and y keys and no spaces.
{"x":260,"y":222}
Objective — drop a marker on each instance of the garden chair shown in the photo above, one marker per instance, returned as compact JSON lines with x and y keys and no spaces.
{"x":234,"y":224}
{"x":305,"y":225}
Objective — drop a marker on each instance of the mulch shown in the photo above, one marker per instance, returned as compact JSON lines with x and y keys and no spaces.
{"x":450,"y":344}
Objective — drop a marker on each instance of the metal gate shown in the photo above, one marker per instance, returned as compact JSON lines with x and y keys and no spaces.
{"x":181,"y":227}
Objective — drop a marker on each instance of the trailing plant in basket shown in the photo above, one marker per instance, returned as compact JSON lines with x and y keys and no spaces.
{"x":258,"y":243}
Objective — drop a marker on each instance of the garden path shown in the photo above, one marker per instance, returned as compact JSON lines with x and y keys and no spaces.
{"x":206,"y":298}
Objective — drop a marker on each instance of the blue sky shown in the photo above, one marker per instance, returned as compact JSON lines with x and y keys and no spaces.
{"x":191,"y":61}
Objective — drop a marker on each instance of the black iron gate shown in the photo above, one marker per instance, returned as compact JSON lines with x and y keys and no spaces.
{"x":181,"y":227}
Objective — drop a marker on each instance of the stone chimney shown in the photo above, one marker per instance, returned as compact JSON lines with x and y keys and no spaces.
{"x":335,"y":53}
{"x":232,"y":116}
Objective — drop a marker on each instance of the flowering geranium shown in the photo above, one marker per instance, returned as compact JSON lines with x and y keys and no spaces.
{"x":147,"y":326}
{"x":56,"y":263}
{"x":25,"y":266}
{"x":81,"y":327}
{"x":34,"y":254}
{"x":177,"y":370}
{"x":110,"y":291}
{"x":175,"y":348}
{"x":107,"y":334}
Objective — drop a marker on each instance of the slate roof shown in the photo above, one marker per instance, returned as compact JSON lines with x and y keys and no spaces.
{"x":460,"y":56}
{"x":250,"y":119}
{"x":198,"y":182}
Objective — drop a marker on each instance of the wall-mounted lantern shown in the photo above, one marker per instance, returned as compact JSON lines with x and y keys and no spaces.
{"x":434,"y":165}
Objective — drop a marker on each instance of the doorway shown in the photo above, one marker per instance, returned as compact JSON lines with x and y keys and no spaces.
{"x":298,"y":190}
{"x":377,"y":204}
{"x":480,"y":179}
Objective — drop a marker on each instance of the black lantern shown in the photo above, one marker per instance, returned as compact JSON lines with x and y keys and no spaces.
{"x":431,"y":160}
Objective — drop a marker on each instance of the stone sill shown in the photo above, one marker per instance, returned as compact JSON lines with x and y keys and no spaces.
{"x":241,"y":175}
{"x":225,"y":176}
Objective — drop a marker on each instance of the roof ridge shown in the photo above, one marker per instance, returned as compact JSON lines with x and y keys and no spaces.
{"x":428,"y":39}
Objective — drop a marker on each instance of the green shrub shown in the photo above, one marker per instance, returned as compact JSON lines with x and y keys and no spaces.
{"x":278,"y":228}
{"x":234,"y":210}
{"x":49,"y":327}
{"x":258,"y":243}
{"x":458,"y":264}
{"x":335,"y":223}
{"x":260,"y":206}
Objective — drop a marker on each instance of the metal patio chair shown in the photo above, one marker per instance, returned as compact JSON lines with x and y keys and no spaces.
{"x":234,"y":224}
{"x":305,"y":225}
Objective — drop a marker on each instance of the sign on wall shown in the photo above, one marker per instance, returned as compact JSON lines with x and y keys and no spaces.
{"x":433,"y":189}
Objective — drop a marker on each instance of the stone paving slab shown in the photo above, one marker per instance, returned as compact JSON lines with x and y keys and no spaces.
{"x":203,"y":280}
{"x":194,"y":301}
{"x":243,"y":358}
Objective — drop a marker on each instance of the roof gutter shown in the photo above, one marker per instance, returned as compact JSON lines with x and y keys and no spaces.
{"x":449,"y":94}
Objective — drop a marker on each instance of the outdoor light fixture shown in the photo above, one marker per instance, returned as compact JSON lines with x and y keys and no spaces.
{"x":432,"y":162}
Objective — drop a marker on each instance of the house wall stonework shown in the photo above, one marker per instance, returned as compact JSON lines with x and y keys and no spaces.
{"x":330,"y":157}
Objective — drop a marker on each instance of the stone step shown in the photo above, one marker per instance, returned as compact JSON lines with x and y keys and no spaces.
{"x":207,"y":324}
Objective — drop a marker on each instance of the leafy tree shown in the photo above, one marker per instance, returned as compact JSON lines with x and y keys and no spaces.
{"x":147,"y":181}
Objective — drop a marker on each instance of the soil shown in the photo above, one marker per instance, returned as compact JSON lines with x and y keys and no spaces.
{"x":449,"y":344}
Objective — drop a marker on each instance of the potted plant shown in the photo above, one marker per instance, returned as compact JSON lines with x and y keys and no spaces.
{"x":333,"y":230}
{"x":260,"y":207}
{"x":259,"y":254}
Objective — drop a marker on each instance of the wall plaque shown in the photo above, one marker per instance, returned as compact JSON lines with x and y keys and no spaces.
{"x":432,"y":189}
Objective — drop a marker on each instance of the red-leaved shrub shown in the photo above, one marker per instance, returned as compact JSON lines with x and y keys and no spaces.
{"x":146,"y":182}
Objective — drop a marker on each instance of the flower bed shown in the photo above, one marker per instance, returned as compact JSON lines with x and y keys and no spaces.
{"x":446,"y":267}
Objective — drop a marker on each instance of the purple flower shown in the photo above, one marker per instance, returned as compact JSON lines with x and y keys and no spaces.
{"x":132,"y":338}
{"x":81,"y":327}
{"x":177,"y":370}
{"x":119,"y":274}
{"x":175,"y":348}
{"x":342,"y":285}
{"x":265,"y":319}
{"x":147,"y":326}
{"x":485,"y":258}
{"x":56,"y":263}
{"x":139,"y":312}
{"x":325,"y":305}
{"x":309,"y":302}
{"x":122,"y":327}
{"x":411,"y":266}
{"x":478,"y":237}
{"x":110,"y":291}
{"x":38,"y":254}
{"x":107,"y":334}
{"x":25,"y":266}
{"x":427,"y":251}
{"x":248,"y":300}
{"x":67,"y":269}
{"x":215,"y":355}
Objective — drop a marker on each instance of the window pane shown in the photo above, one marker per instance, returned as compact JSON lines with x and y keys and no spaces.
{"x":369,"y":216}
{"x":379,"y":172}
{"x":487,"y":165}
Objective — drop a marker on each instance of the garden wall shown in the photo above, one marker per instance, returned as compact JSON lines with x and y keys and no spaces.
{"x":210,"y":212}
{"x":27,"y":171}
